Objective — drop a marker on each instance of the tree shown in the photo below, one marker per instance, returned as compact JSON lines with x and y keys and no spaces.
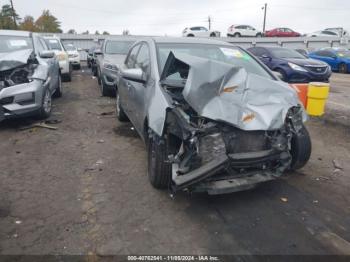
{"x":48,"y":23}
{"x":86,"y":32}
{"x":28,"y":24}
{"x":126,"y":32}
{"x":97,"y":32}
{"x":105,"y":33}
{"x":6,"y":18}
{"x":72,"y":31}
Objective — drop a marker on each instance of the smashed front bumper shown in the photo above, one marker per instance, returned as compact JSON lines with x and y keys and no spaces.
{"x":215,"y":177}
{"x":21,"y":100}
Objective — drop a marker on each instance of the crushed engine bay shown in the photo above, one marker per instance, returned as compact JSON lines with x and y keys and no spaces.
{"x":227,"y":124}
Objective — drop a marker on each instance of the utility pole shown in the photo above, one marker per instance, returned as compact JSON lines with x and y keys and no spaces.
{"x":13,"y":14}
{"x":264,"y":24}
{"x":209,"y":22}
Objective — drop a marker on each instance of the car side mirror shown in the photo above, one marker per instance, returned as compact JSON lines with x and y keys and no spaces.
{"x":47,"y":54}
{"x":134,"y":74}
{"x":278,"y":75}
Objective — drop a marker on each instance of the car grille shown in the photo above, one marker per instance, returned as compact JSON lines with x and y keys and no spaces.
{"x":317,"y":69}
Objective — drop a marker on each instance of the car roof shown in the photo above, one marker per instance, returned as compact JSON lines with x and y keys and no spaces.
{"x":186,"y":40}
{"x":15,"y":33}
{"x":122,"y":38}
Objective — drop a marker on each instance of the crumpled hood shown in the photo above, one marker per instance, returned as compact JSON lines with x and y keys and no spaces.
{"x":14,"y":59}
{"x":116,"y":59}
{"x":222,"y":92}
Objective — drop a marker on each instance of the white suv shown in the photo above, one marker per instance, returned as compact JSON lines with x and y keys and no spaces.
{"x":199,"y":31}
{"x":55,"y":44}
{"x":243,"y":30}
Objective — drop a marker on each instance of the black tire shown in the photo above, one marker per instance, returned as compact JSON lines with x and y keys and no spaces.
{"x":159,"y":170}
{"x":236,"y":35}
{"x":122,"y":117}
{"x":58,"y":91}
{"x":45,"y":109}
{"x":300,"y":149}
{"x":343,"y":68}
{"x":212,"y":35}
{"x":190,"y":35}
{"x":258,"y":35}
{"x":104,"y":90}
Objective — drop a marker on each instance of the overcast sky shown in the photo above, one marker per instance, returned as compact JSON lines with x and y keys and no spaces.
{"x":170,"y":17}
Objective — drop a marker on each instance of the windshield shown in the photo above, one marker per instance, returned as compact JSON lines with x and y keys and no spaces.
{"x":14,"y":43}
{"x":343,"y":53}
{"x":285,"y":53}
{"x":118,"y":47}
{"x":70,"y":48}
{"x":231,"y":55}
{"x":53,"y":44}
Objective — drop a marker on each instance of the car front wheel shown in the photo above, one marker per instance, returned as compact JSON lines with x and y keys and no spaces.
{"x":300,"y":149}
{"x":46,"y":105}
{"x":159,"y":170}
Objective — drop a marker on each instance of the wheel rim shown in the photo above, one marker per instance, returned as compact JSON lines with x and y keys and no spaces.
{"x":343,"y":68}
{"x":47,"y":101}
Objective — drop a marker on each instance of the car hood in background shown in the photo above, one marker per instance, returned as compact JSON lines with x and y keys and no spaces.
{"x":305,"y":61}
{"x":116,"y":59}
{"x":14,"y":59}
{"x":222,"y":92}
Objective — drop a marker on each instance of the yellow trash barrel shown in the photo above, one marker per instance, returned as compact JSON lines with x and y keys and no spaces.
{"x":316,"y":98}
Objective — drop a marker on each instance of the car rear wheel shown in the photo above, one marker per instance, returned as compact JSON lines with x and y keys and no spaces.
{"x":343,"y":68}
{"x":58,"y":91}
{"x":46,"y":105}
{"x":300,"y":149}
{"x":122,"y":117}
{"x":159,"y":170}
{"x":237,"y":35}
{"x":190,"y":35}
{"x":258,"y":35}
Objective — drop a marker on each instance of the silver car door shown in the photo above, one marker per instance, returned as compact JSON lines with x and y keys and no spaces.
{"x":124,"y":84}
{"x":138,"y":90}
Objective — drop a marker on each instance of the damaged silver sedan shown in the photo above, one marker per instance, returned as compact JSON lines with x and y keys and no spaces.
{"x":29,"y":75}
{"x":214,"y":119}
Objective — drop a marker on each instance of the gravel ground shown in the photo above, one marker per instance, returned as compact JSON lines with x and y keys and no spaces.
{"x":83,"y":189}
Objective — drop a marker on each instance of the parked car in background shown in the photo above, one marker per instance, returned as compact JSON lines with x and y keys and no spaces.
{"x":213,"y":118}
{"x":55,"y":44}
{"x":243,"y":31}
{"x":95,"y":55}
{"x":294,"y":67}
{"x":108,"y":65}
{"x":73,"y":54}
{"x":29,"y":75}
{"x":199,"y":31}
{"x":322,"y":33}
{"x":337,"y":58}
{"x":90,"y":55}
{"x":281,"y":32}
{"x":340,"y":31}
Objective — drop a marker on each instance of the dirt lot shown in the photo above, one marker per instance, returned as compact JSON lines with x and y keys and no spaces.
{"x":83,"y":189}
